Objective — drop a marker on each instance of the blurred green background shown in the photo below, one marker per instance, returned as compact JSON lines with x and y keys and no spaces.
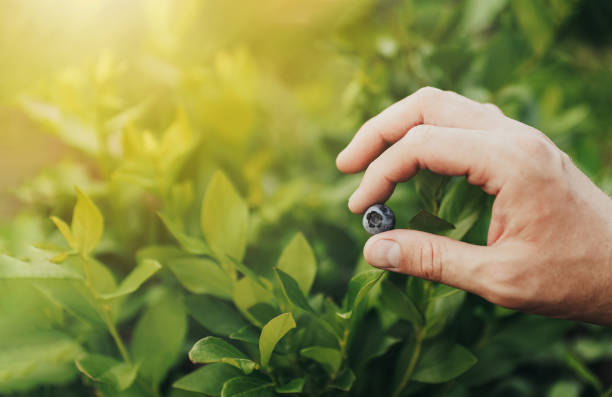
{"x":288,"y":75}
{"x":273,"y":90}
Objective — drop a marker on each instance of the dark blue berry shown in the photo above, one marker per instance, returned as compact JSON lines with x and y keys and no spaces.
{"x":378,"y":218}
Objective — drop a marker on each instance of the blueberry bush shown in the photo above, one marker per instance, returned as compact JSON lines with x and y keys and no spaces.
{"x":187,"y":234}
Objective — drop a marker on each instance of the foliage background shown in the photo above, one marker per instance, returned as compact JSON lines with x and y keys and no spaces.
{"x":272,"y":91}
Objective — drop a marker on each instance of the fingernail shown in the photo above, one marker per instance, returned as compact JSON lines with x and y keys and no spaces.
{"x":384,"y":253}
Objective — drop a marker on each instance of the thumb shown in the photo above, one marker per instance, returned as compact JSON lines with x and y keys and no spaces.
{"x":437,"y":258}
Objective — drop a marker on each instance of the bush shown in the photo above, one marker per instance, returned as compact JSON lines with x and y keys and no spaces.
{"x":209,"y":225}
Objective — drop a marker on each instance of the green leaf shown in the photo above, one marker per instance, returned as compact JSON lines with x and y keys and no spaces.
{"x":462,"y":206}
{"x":158,"y":337}
{"x":440,"y":363}
{"x":193,"y":245}
{"x":335,"y":324}
{"x":102,"y":278}
{"x":42,"y":357}
{"x":248,"y":293}
{"x":136,"y":390}
{"x":106,"y":369}
{"x":263,"y":312}
{"x":66,"y":232}
{"x":344,"y":381}
{"x":207,"y":380}
{"x":441,"y":308}
{"x":215,"y":350}
{"x":298,"y":261}
{"x":272,"y":333}
{"x":12,"y":268}
{"x":291,"y":290}
{"x":247,"y":272}
{"x":565,"y":388}
{"x":295,"y":385}
{"x":135,"y":279}
{"x":201,"y":276}
{"x":247,"y":386}
{"x":581,"y":370}
{"x":73,"y":297}
{"x":358,"y":288}
{"x":508,"y":347}
{"x":160,"y":253}
{"x":87,"y":224}
{"x":329,"y":358}
{"x":416,"y":291}
{"x":478,"y":15}
{"x":370,"y":340}
{"x":535,"y":22}
{"x":430,"y":188}
{"x":215,"y":315}
{"x":398,"y":302}
{"x":248,"y":333}
{"x":224,"y":218}
{"x":427,"y":222}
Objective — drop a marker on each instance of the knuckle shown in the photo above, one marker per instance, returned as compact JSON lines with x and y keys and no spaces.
{"x":427,"y":262}
{"x":494,"y":108}
{"x":370,"y":124}
{"x":536,"y":148}
{"x":421,"y":133}
{"x":428,"y":94}
{"x":542,"y":160}
{"x":373,"y":168}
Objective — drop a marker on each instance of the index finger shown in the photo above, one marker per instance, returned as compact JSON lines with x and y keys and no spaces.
{"x":426,"y":106}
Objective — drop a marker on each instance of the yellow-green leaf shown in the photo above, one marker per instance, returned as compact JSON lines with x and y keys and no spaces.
{"x":106,"y":369}
{"x":41,"y":357}
{"x":201,"y":276}
{"x":215,"y":350}
{"x":65,"y":230}
{"x":329,"y":358}
{"x":224,"y":218}
{"x":248,"y":293}
{"x":272,"y":333}
{"x":13,"y":268}
{"x":87,"y":224}
{"x":135,"y":279}
{"x":298,"y":260}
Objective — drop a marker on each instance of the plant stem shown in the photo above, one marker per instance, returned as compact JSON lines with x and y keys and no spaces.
{"x":113,"y":331}
{"x":87,"y":271}
{"x":420,"y":336}
{"x":104,"y":310}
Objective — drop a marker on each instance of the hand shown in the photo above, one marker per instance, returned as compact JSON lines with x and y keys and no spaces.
{"x":549,"y":247}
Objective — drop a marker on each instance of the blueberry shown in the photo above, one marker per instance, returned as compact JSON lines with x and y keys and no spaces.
{"x":378,"y":218}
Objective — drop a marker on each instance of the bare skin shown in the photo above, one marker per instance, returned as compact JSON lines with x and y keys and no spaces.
{"x":549,"y":247}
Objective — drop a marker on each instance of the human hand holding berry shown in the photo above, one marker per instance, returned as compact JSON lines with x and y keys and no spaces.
{"x":549,"y":248}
